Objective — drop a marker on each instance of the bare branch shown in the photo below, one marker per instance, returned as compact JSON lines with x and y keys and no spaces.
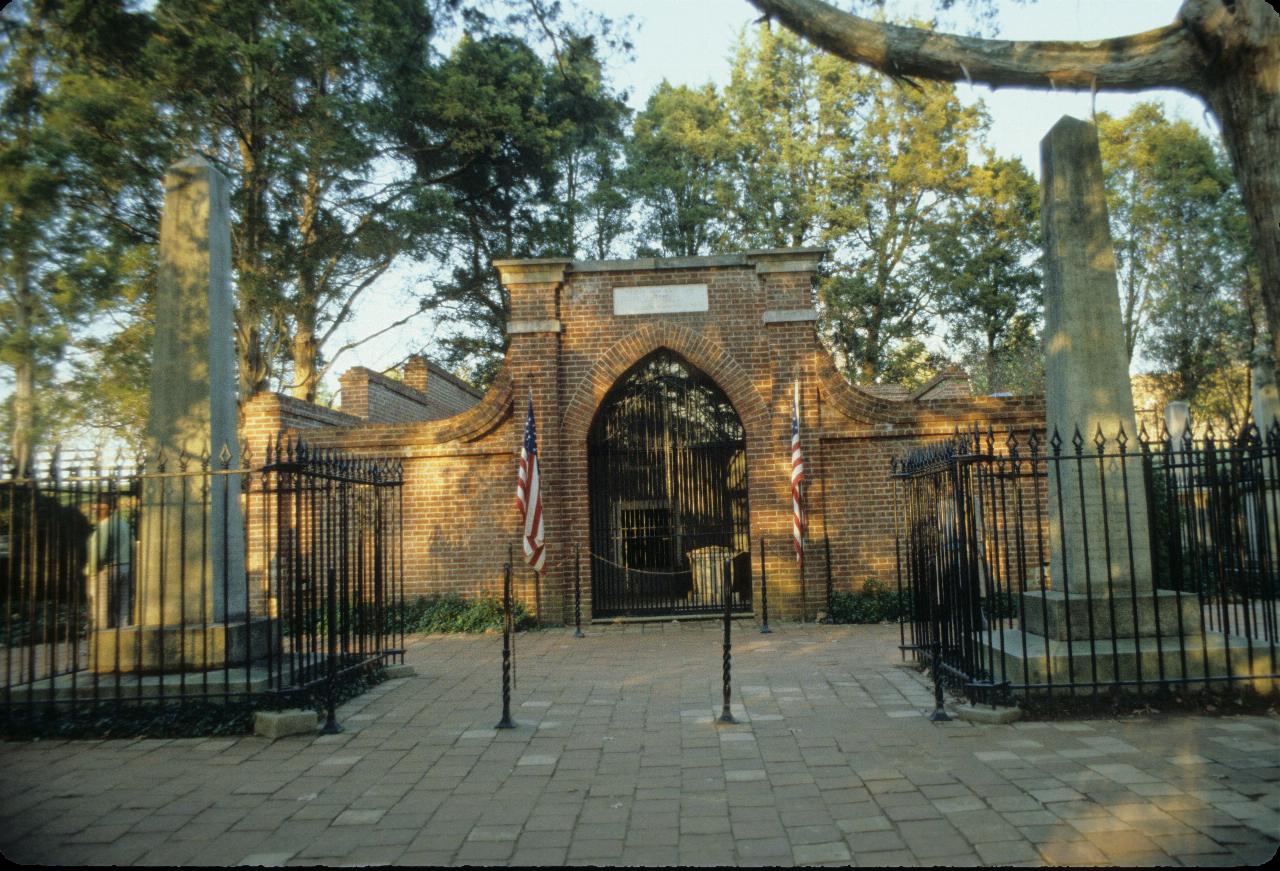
{"x":1165,"y":57}
{"x":358,"y":342}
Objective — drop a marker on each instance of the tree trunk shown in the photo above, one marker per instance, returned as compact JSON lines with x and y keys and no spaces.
{"x":1246,"y":98}
{"x":22,"y":441}
{"x":304,"y":351}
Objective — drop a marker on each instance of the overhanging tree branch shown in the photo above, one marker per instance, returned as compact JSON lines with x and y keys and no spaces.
{"x":1164,"y":57}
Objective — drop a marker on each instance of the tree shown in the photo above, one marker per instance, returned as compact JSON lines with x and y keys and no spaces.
{"x":984,"y":268}
{"x":1177,"y":222}
{"x":1197,"y":261}
{"x":903,"y":158}
{"x":297,"y":102}
{"x":1227,"y":52}
{"x":78,"y":153}
{"x":677,"y":158}
{"x":1127,"y":162}
{"x":823,"y":153}
{"x":780,"y":105}
{"x":588,"y":119}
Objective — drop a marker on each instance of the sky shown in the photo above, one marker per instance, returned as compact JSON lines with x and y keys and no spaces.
{"x":691,"y":42}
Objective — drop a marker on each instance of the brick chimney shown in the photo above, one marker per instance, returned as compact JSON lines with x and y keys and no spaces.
{"x":415,"y":373}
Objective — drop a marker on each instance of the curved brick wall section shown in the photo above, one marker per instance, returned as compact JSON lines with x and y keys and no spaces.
{"x":567,"y":349}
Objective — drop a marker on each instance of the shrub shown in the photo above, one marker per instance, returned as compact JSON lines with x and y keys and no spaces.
{"x":452,"y":613}
{"x":873,"y":603}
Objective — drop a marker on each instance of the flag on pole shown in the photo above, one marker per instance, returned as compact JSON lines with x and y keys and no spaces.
{"x":797,"y":477}
{"x":529,"y":495}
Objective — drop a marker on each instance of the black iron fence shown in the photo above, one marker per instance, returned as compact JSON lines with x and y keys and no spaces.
{"x":1086,"y":564}
{"x":184,"y":579}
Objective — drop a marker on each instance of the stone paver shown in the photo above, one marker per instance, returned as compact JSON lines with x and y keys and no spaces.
{"x":617,"y":760}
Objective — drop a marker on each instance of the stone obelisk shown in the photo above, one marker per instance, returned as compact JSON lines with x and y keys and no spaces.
{"x":1087,"y":378}
{"x":190,"y":572}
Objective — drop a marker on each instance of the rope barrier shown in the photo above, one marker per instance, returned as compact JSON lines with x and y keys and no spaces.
{"x":676,"y":573}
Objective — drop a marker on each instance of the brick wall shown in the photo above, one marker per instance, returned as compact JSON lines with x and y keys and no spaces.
{"x":431,"y":395}
{"x":568,"y":348}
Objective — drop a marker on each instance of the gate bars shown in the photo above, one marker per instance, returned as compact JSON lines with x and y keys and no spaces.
{"x":973,"y":536}
{"x":668,"y":494}
{"x":95,"y":617}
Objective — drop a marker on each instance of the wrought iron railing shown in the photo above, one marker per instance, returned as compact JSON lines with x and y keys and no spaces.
{"x":182,"y":578}
{"x":1083,"y":565}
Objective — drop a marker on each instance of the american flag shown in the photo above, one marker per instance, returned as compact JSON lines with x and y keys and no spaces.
{"x":529,"y":495}
{"x":797,"y":478}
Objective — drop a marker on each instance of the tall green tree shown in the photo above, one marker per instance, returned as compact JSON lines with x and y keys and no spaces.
{"x":298,"y":103}
{"x":905,"y":160}
{"x":78,"y":152}
{"x":827,"y":154}
{"x":678,"y":158}
{"x":984,"y":271}
{"x":1128,"y":159}
{"x":779,"y":100}
{"x":1198,"y":262}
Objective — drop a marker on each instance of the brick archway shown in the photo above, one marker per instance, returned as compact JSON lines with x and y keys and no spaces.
{"x":700,"y":351}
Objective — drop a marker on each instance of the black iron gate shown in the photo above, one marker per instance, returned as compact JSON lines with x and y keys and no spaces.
{"x":668,"y":484}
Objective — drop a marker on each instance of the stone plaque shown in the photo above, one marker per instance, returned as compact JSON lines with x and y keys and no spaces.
{"x":659,"y":299}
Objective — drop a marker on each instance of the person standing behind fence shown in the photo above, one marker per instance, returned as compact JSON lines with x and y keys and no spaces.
{"x":110,"y":567}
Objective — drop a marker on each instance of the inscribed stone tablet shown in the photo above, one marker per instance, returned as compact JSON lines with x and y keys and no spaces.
{"x":659,"y":299}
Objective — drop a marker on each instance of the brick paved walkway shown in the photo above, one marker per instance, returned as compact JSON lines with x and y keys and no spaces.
{"x":617,"y":761}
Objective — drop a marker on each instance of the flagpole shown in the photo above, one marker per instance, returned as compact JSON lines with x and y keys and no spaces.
{"x":537,"y":581}
{"x":804,"y":587}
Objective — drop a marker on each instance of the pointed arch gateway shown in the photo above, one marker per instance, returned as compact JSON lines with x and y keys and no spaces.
{"x":667,"y":479}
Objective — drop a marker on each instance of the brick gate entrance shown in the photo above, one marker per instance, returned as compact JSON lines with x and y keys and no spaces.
{"x":748,"y":323}
{"x":668,"y":493}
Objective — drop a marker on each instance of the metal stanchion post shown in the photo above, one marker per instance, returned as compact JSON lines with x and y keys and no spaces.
{"x":577,"y":592}
{"x":764,"y":592}
{"x":725,"y":715}
{"x":506,"y":722}
{"x":939,"y":714}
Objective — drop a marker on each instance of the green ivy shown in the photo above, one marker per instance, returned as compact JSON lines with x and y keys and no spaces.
{"x":452,"y":613}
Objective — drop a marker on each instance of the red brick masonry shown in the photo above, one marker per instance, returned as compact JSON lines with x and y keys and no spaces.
{"x":568,"y":348}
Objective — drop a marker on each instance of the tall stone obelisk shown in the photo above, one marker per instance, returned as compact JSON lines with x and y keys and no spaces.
{"x":190,"y":571}
{"x":1099,"y":538}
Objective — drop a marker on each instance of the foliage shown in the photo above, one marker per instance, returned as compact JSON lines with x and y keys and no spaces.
{"x":43,"y":622}
{"x":352,"y":142}
{"x":984,"y":270}
{"x":452,"y":613}
{"x":75,"y":149}
{"x":1190,"y":297}
{"x":677,"y":159}
{"x":905,"y":162}
{"x":28,"y":572}
{"x":827,"y":154}
{"x":873,"y":603}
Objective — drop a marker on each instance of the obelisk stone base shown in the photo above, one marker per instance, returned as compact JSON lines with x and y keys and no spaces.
{"x":156,"y":650}
{"x":1074,"y":616}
